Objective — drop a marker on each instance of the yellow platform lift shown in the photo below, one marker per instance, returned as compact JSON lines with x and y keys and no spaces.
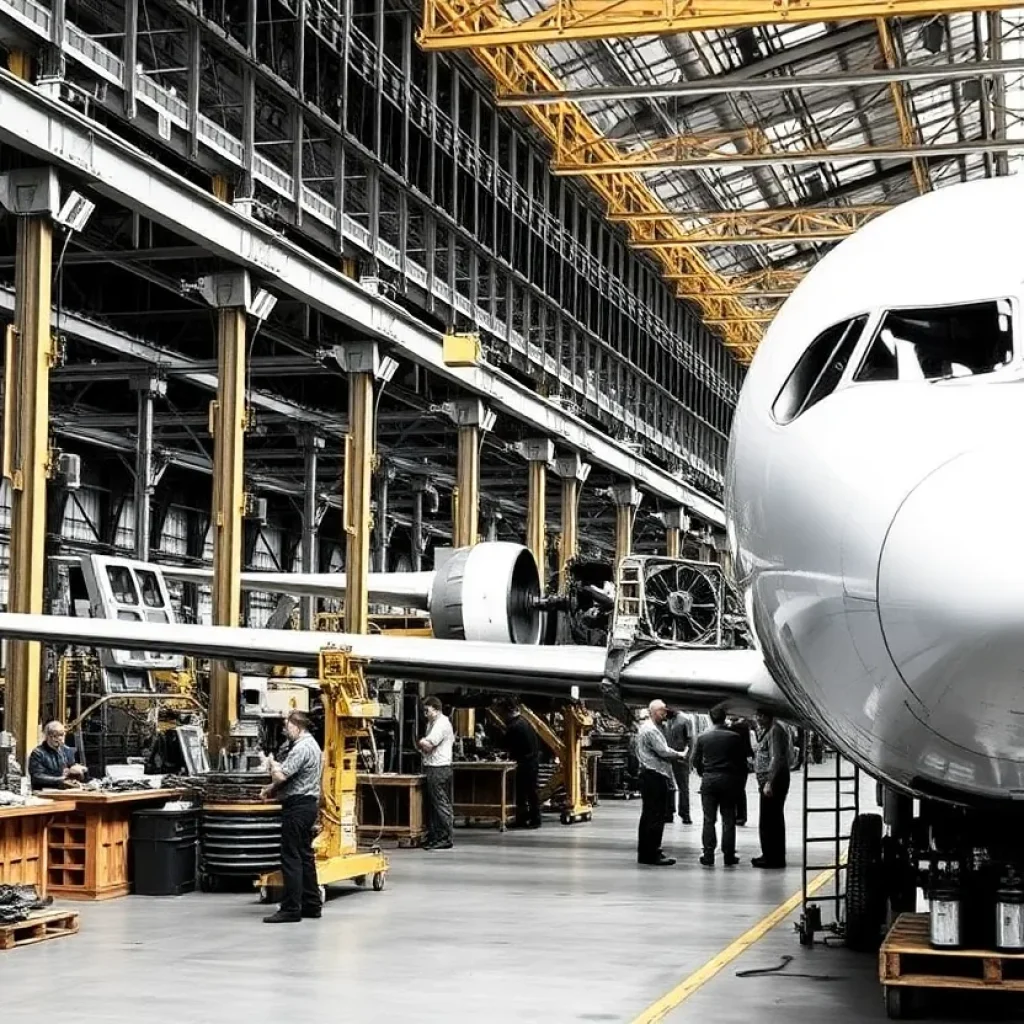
{"x":347,"y":711}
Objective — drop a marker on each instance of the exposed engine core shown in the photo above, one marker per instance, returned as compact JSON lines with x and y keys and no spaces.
{"x":488,"y":593}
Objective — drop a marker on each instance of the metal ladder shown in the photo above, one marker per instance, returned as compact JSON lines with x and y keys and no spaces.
{"x":831,"y":792}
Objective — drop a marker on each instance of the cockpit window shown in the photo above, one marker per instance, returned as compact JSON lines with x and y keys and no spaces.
{"x":940,"y":342}
{"x":819,"y":369}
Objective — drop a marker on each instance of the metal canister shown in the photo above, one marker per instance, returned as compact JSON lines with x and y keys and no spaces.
{"x":944,"y":918}
{"x":1010,"y":920}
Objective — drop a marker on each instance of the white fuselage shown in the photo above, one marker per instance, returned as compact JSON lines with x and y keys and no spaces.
{"x":878,"y":536}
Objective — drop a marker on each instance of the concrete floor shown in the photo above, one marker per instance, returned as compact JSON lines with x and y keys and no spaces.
{"x":556,"y":925}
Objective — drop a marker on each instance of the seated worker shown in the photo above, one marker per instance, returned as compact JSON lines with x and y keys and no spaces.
{"x":53,"y":763}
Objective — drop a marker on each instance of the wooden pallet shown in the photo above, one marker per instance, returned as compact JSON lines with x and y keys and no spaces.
{"x":908,"y":961}
{"x":49,"y":924}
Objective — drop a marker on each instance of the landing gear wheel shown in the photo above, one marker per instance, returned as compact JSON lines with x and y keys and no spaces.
{"x":378,"y":881}
{"x":865,"y":884}
{"x":898,"y":1003}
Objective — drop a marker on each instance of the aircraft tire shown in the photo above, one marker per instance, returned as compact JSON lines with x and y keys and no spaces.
{"x":865,"y":884}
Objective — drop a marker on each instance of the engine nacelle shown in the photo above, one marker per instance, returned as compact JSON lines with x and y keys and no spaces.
{"x":488,"y":592}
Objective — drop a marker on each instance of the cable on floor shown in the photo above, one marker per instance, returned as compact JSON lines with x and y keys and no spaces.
{"x":779,"y":970}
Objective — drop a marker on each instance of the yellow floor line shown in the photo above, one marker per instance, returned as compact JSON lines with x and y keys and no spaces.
{"x":657,"y":1011}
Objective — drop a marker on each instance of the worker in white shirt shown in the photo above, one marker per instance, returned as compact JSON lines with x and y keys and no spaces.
{"x":436,"y":747}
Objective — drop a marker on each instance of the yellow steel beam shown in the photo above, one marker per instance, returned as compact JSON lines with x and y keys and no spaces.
{"x":228,"y":427}
{"x":26,"y":455}
{"x":573,"y":472}
{"x":822,"y":217}
{"x":627,"y":500}
{"x":358,"y":476}
{"x":901,"y":101}
{"x":536,"y":514}
{"x":472,"y":24}
{"x":518,"y":69}
{"x":707,"y":151}
{"x":750,"y":318}
{"x":465,"y":528}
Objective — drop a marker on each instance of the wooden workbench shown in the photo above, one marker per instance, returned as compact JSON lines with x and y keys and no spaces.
{"x":484,"y":792}
{"x":401,"y":798}
{"x":88,"y":846}
{"x":24,"y":843}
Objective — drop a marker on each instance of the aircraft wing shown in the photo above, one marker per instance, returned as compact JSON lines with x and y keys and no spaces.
{"x":692,"y":678}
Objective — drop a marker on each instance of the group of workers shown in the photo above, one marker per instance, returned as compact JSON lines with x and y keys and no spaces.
{"x":723,"y":756}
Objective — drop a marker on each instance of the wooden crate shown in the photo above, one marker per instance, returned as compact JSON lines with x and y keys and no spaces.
{"x":907,"y":961}
{"x":401,"y":799}
{"x":484,"y":792}
{"x":47,"y":924}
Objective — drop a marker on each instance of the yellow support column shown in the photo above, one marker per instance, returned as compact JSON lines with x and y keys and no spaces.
{"x":574,"y":473}
{"x":538,"y":453}
{"x":627,"y":498}
{"x":33,"y":196}
{"x":363,"y":364}
{"x":473,"y":420}
{"x":676,"y":525}
{"x":229,"y":293}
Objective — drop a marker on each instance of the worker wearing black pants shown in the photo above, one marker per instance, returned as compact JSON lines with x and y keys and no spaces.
{"x":771,"y":765}
{"x":657,"y":783}
{"x":720,"y":759}
{"x":298,"y":865}
{"x":296,"y":783}
{"x":655,"y":793}
{"x":439,"y":799}
{"x":524,"y":748}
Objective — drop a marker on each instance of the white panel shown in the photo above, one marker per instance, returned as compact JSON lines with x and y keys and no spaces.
{"x":174,"y":539}
{"x":125,"y":536}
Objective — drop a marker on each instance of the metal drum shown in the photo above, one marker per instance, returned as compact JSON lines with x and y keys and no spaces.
{"x":1010,"y":920}
{"x":944,"y":918}
{"x":241,"y":841}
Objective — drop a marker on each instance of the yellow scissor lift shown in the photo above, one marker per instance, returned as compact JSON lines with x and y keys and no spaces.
{"x":347,"y":709}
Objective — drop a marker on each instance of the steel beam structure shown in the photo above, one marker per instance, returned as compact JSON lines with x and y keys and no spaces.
{"x":627,"y":500}
{"x":689,"y":386}
{"x":696,"y":153}
{"x":312,"y":444}
{"x":26,"y":448}
{"x":574,"y":473}
{"x":728,"y":85}
{"x":358,"y":482}
{"x":538,"y":453}
{"x":34,"y":124}
{"x":228,"y":418}
{"x":471,"y":419}
{"x":145,"y":477}
{"x":469,"y":25}
{"x":910,"y":136}
{"x":676,"y":525}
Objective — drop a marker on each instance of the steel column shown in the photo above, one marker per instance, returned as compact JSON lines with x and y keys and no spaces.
{"x":574,"y":473}
{"x":676,"y":525}
{"x":417,"y":529}
{"x":538,"y":453}
{"x":358,"y":478}
{"x":472,"y":419}
{"x":384,"y":478}
{"x":627,"y":498}
{"x":26,"y":457}
{"x":310,"y":524}
{"x":145,"y":478}
{"x":228,"y":416}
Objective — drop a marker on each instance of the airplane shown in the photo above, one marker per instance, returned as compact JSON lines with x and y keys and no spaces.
{"x":869,"y":447}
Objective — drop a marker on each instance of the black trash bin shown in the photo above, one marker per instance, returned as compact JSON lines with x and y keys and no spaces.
{"x":164,"y":844}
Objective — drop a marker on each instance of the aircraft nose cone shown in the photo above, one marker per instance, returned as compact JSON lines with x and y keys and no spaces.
{"x":951,"y":601}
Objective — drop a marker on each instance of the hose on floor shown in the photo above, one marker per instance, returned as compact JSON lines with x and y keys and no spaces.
{"x":779,"y":970}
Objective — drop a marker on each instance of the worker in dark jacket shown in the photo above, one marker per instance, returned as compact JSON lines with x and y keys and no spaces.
{"x":745,"y":730}
{"x":771,"y":765}
{"x":53,"y":764}
{"x":679,"y":733}
{"x":719,"y":758}
{"x":523,"y":747}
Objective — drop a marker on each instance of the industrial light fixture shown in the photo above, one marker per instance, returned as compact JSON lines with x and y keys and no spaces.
{"x":487,"y":420}
{"x":386,"y":369}
{"x":262,"y":305}
{"x":75,"y":212}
